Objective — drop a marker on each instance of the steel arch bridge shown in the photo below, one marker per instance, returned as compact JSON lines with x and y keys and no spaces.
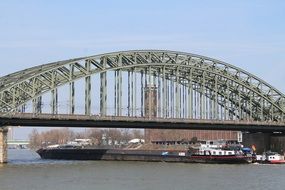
{"x":143,"y":84}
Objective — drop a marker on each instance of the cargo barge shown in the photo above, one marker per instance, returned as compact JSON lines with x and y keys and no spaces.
{"x":201,"y":154}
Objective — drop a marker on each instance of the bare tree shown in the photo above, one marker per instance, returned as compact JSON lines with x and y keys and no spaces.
{"x":96,"y":136}
{"x":54,"y":136}
{"x":137,"y":134}
{"x":126,"y":135}
{"x":35,"y":141}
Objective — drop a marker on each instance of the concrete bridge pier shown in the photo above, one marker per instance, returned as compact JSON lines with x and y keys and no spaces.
{"x":3,"y":145}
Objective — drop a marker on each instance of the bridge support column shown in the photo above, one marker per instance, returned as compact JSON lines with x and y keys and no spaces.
{"x":3,"y":145}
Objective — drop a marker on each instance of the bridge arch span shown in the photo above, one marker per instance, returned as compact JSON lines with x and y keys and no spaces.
{"x":158,"y":83}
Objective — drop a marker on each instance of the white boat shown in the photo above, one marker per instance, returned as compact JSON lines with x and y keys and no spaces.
{"x":270,"y":158}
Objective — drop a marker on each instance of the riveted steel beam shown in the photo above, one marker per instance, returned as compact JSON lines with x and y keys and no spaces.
{"x":103,"y":88}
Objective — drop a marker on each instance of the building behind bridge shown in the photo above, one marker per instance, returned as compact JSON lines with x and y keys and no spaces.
{"x":157,"y":135}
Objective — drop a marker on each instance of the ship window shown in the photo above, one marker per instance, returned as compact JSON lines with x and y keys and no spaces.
{"x":230,"y":153}
{"x":220,"y":153}
{"x":214,"y":152}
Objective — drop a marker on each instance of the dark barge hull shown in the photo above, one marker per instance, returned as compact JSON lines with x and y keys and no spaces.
{"x":136,"y":155}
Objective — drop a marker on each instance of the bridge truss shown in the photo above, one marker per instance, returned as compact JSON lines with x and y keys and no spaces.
{"x":146,"y":83}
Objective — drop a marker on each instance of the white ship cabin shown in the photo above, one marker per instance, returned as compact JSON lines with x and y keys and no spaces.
{"x":217,"y":152}
{"x":213,"y":144}
{"x":214,"y":148}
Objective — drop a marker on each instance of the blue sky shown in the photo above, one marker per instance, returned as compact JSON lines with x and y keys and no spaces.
{"x":248,"y":34}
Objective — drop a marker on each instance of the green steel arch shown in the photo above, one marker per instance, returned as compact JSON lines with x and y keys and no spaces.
{"x":218,"y":88}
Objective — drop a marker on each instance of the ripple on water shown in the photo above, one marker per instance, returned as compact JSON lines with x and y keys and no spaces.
{"x":26,"y":171}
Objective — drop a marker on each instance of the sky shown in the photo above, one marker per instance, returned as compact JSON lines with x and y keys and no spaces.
{"x":247,"y":34}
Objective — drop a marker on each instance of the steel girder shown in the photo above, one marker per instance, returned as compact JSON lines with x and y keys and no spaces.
{"x":241,"y":94}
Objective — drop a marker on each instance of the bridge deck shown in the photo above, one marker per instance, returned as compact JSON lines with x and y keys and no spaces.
{"x":65,"y":120}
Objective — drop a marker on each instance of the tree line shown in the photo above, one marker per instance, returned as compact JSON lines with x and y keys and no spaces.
{"x":98,"y":136}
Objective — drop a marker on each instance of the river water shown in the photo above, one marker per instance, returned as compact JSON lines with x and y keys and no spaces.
{"x":26,"y":171}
